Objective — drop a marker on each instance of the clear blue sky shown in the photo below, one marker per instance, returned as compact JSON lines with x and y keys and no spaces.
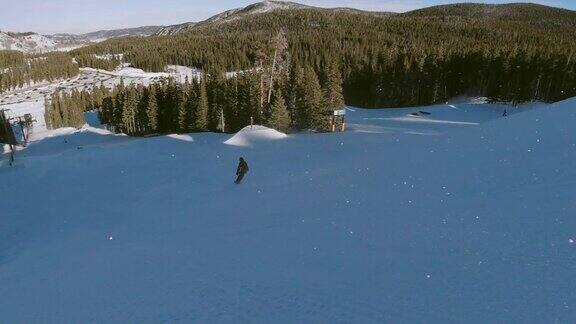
{"x":79,"y":16}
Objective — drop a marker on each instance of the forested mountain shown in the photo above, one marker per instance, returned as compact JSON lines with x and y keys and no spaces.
{"x":251,"y":10}
{"x":516,"y":52}
{"x":175,"y":29}
{"x":107,"y":34}
{"x":233,"y":14}
{"x":526,"y":12}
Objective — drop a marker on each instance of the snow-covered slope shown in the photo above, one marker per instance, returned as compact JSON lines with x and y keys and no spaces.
{"x":234,"y":14}
{"x":29,"y":43}
{"x":254,"y":9}
{"x":35,"y":43}
{"x":175,"y":29}
{"x":461,"y":217}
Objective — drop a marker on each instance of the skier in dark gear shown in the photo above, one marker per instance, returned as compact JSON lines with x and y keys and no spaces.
{"x":505,"y":113}
{"x":242,"y":170}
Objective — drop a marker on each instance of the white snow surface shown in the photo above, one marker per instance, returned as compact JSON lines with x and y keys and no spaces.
{"x":390,"y":222}
{"x":251,"y":135}
{"x":181,"y":137}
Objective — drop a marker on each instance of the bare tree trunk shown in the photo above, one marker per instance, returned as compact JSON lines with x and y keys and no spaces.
{"x":223,"y":122}
{"x":537,"y":90}
{"x":272,"y":75}
{"x":261,"y":86}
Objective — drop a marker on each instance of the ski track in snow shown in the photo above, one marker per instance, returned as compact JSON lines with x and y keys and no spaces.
{"x":426,"y":120}
{"x":470,"y":219}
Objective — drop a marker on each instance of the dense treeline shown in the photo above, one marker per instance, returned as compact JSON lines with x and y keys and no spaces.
{"x":90,"y":60}
{"x":18,"y":69}
{"x":67,"y":109}
{"x":388,"y":61}
{"x":297,"y":101}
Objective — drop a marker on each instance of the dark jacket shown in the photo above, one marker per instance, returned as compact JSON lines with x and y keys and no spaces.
{"x":242,"y":167}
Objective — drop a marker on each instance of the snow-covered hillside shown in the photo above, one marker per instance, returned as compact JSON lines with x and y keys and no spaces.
{"x":254,"y":9}
{"x":35,"y":43}
{"x":234,"y":14}
{"x":29,"y":43}
{"x":460,"y":216}
{"x":251,"y":11}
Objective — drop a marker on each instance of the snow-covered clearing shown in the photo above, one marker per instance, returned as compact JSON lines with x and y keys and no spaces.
{"x":184,"y":73}
{"x":394,"y":221}
{"x":235,"y":74}
{"x":109,"y":57}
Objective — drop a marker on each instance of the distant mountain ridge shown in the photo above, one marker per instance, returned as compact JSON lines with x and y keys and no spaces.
{"x":531,"y":14}
{"x":522,"y":11}
{"x":30,"y":42}
{"x":35,"y":43}
{"x":26,"y":42}
{"x":234,"y":14}
{"x":137,"y":31}
{"x":507,"y":10}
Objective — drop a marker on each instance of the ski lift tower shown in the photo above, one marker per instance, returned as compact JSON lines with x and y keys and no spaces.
{"x":7,"y":134}
{"x":25,"y":122}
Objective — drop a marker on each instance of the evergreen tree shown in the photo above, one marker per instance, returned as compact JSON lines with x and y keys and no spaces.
{"x":192,"y":97}
{"x":310,"y":103}
{"x":182,"y":109}
{"x":334,"y":93}
{"x":152,"y":111}
{"x":248,"y":99}
{"x":293,"y":90}
{"x":231,"y":105}
{"x":130,"y":107}
{"x":279,"y":118}
{"x":201,"y":113}
{"x":105,"y":111}
{"x":215,"y":92}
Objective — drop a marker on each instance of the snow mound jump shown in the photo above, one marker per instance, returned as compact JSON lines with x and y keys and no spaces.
{"x":250,"y":135}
